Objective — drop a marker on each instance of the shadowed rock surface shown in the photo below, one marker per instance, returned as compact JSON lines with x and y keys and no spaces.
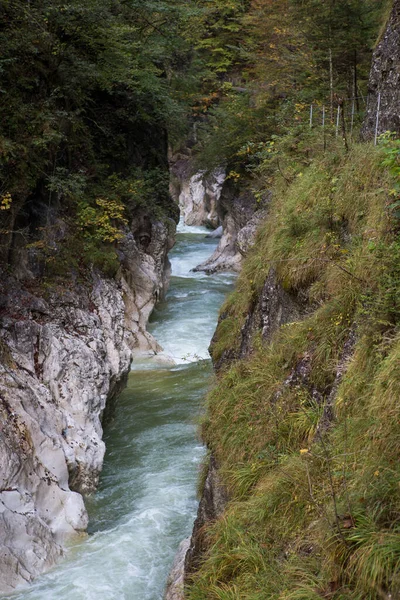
{"x":273,"y":308}
{"x":212,"y":504}
{"x":385,"y":80}
{"x":175,"y":583}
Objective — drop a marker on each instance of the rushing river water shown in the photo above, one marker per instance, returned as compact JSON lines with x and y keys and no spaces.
{"x":146,"y":501}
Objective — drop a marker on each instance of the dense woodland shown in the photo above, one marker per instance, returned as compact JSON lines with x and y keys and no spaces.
{"x":92,"y":95}
{"x":93,"y":92}
{"x":85,"y":105}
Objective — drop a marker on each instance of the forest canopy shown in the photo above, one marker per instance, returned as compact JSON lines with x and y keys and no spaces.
{"x":92,"y":93}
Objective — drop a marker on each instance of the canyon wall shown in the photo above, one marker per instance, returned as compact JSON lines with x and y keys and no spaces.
{"x":196,"y":192}
{"x":213,"y":200}
{"x":66,"y":351}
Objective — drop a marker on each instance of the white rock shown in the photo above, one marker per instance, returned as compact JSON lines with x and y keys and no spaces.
{"x":175,"y":583}
{"x":54,"y":386}
{"x":199,"y":197}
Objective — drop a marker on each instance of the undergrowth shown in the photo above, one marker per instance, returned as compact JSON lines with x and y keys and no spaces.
{"x":315,"y":500}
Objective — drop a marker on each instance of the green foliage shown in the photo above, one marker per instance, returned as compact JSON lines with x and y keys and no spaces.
{"x":102,"y":222}
{"x":288,"y":54}
{"x":87,"y":95}
{"x":341,"y":32}
{"x":98,"y":256}
{"x":228,"y":127}
{"x":221,"y":34}
{"x":90,"y":90}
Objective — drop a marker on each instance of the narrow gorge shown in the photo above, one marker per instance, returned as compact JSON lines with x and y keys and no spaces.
{"x":70,"y":355}
{"x":146,"y":500}
{"x":66,"y":356}
{"x":199,"y":300}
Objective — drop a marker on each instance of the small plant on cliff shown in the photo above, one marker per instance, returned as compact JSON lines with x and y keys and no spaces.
{"x":103,"y":221}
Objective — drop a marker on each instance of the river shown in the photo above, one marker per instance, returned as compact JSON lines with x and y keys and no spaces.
{"x":146,"y":502}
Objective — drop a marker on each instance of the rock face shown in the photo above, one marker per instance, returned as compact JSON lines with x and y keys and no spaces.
{"x":275,"y":307}
{"x":176,"y":580}
{"x":328,"y":413}
{"x":196,"y":192}
{"x":240,"y":214}
{"x":144,"y":278}
{"x":210,"y":199}
{"x":272,"y":308}
{"x":212,"y":504}
{"x":63,"y":358}
{"x":385,"y":80}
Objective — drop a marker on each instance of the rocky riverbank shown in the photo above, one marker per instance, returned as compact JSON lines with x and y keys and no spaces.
{"x":66,"y":352}
{"x":214,"y":200}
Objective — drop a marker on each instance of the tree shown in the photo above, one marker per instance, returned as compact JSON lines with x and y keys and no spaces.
{"x":85,"y":95}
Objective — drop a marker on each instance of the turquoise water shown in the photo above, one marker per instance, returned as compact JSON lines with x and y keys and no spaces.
{"x":146,"y":502}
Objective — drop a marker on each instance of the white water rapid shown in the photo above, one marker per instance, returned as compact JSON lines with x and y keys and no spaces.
{"x":146,"y":501}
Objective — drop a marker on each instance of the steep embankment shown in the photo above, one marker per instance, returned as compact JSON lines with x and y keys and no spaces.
{"x":301,"y":499}
{"x":304,"y":427}
{"x":66,"y":351}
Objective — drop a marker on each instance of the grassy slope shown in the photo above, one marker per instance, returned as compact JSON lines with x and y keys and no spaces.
{"x":313,"y":516}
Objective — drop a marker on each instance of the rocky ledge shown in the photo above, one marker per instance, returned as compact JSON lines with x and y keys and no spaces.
{"x":64,"y":355}
{"x":384,"y":81}
{"x":240,"y":214}
{"x":196,"y":192}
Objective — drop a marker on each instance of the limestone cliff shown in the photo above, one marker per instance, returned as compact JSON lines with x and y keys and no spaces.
{"x":65,"y":353}
{"x":196,"y":192}
{"x":240,"y":214}
{"x":212,"y":200}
